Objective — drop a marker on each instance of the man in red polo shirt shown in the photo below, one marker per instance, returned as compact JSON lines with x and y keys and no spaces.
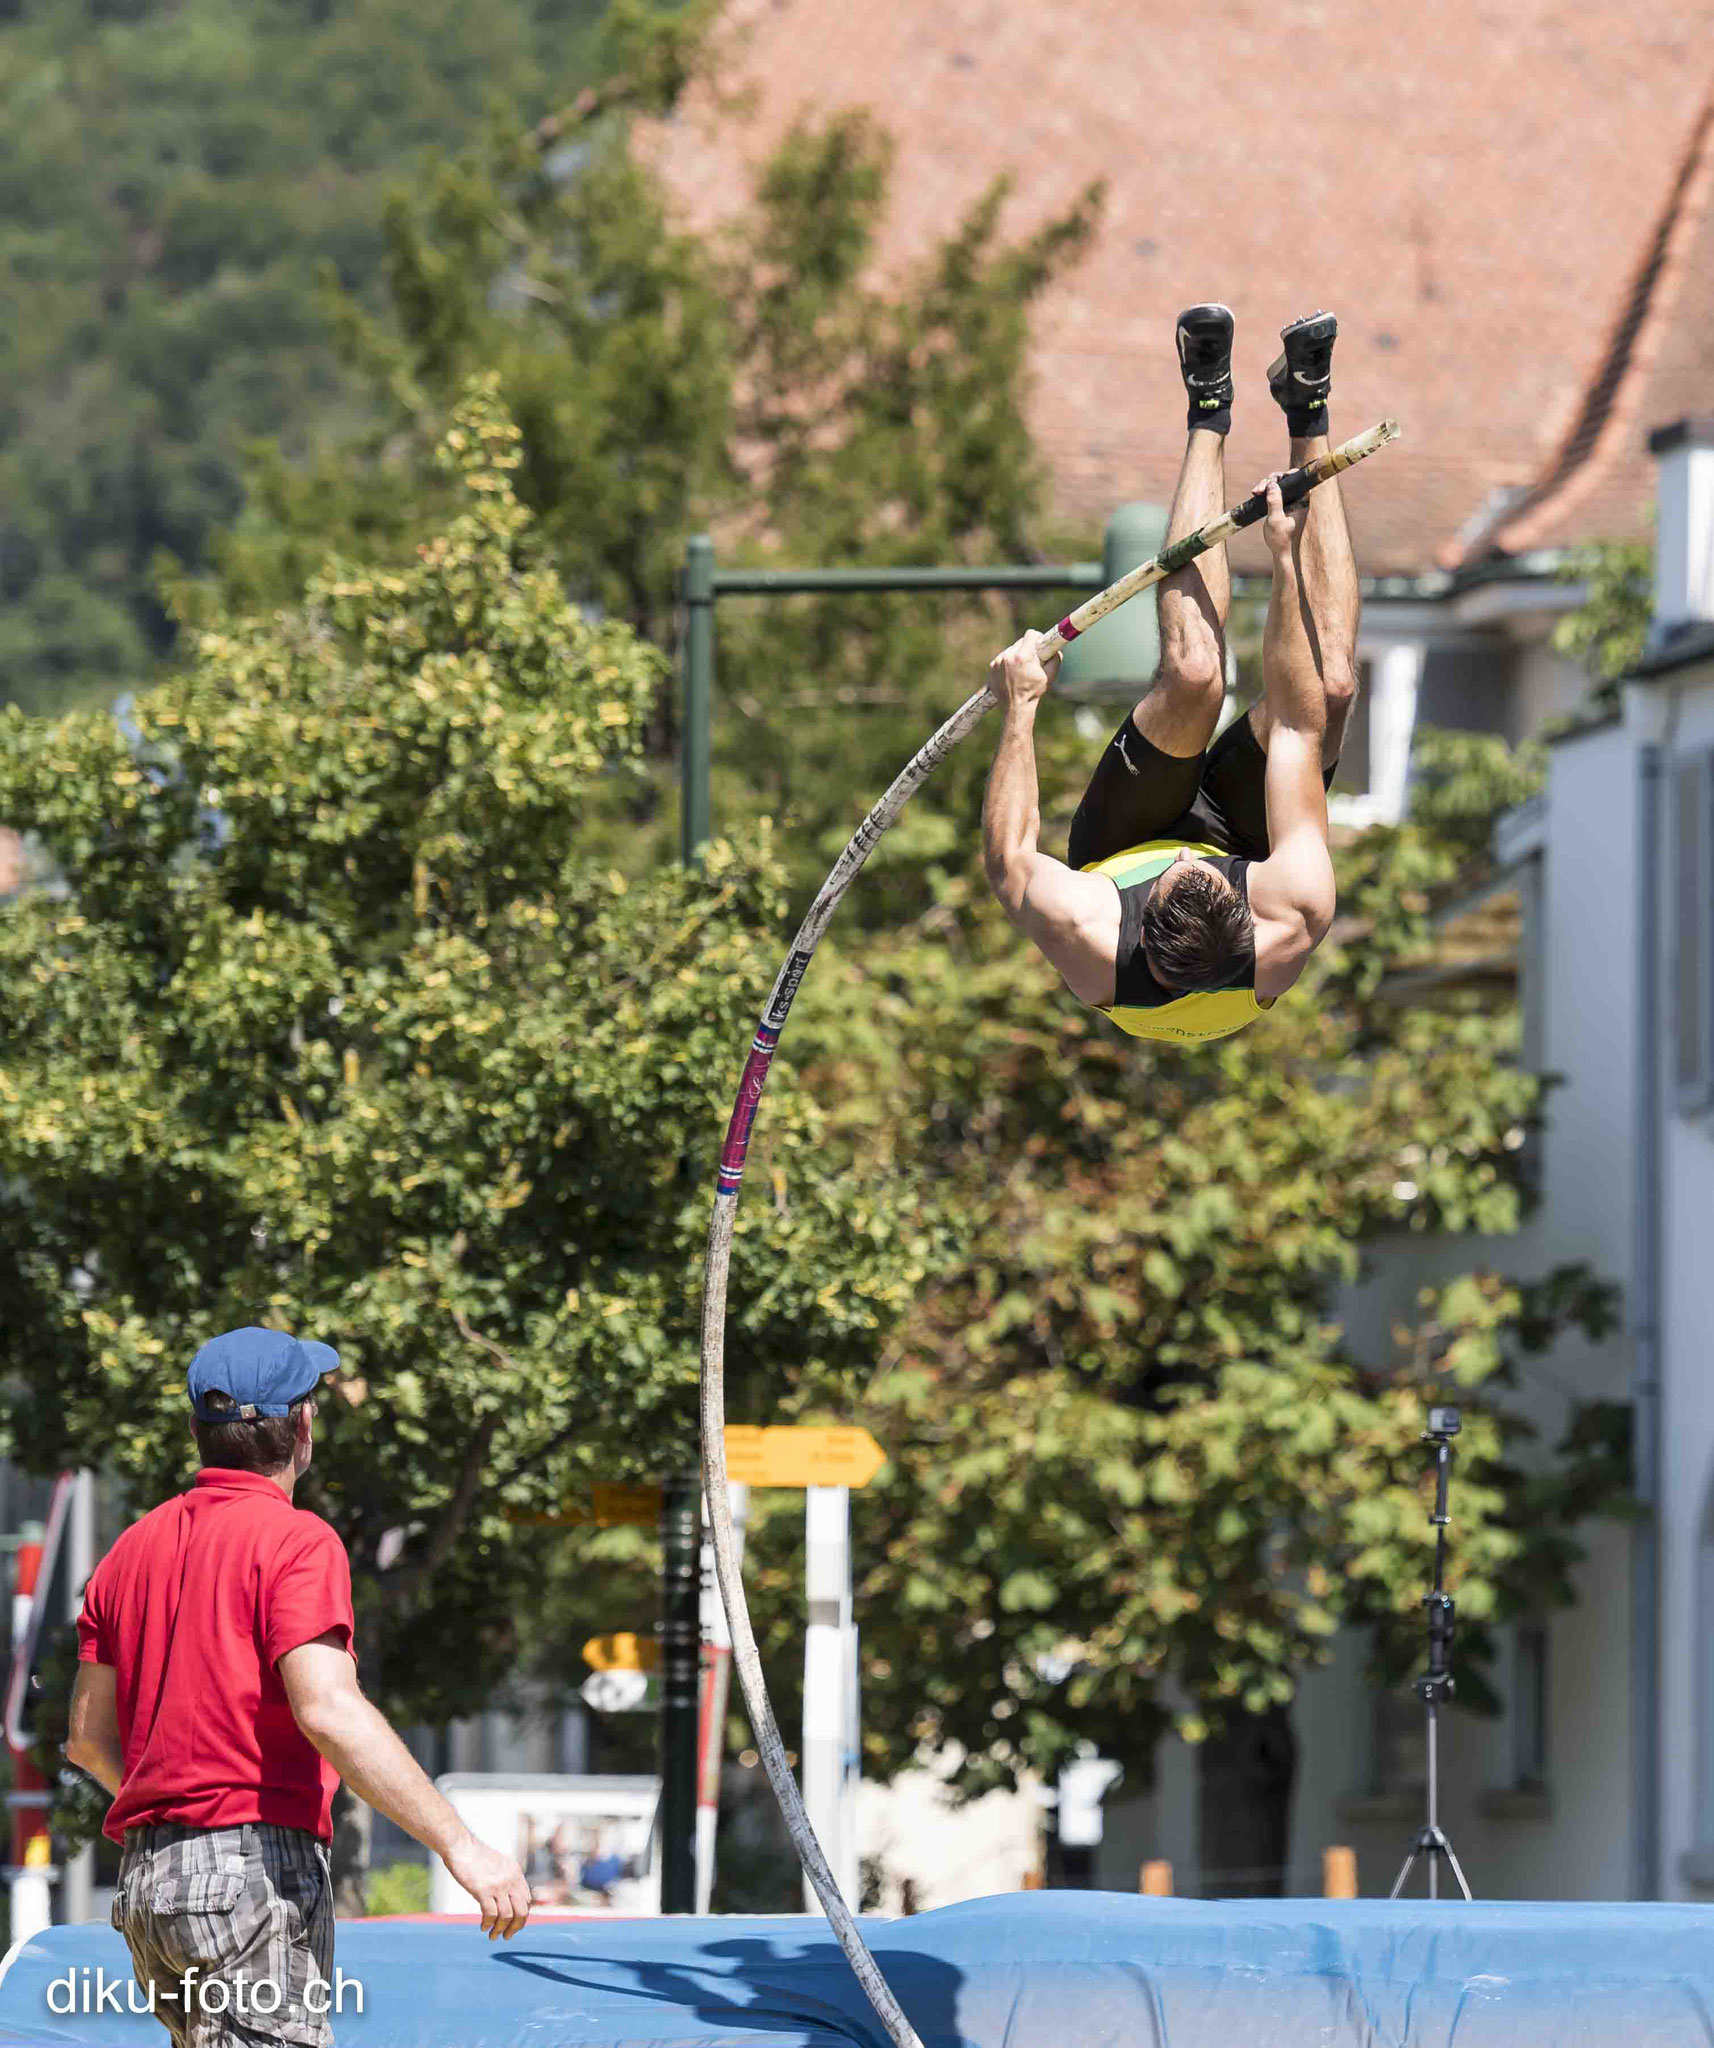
{"x":217,"y":1700}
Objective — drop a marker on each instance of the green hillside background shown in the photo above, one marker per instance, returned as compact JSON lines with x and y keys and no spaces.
{"x":177,"y":179}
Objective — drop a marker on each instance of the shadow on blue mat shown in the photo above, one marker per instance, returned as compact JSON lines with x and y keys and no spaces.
{"x":755,"y":1986}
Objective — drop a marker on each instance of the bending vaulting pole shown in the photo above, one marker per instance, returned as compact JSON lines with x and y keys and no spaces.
{"x":1295,"y":485}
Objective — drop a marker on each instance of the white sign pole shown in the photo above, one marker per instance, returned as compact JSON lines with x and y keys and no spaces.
{"x":826,"y":1684}
{"x":716,"y":1681}
{"x":847,"y":1865}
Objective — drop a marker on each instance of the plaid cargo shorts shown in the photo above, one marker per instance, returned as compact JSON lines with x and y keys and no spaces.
{"x":232,"y":1927}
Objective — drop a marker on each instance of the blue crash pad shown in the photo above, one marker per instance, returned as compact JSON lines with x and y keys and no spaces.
{"x":1032,"y":1970}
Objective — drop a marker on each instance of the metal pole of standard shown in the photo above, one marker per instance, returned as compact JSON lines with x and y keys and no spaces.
{"x":681,"y":1688}
{"x":696,"y":740}
{"x":1435,"y":1685}
{"x":687,"y":1840}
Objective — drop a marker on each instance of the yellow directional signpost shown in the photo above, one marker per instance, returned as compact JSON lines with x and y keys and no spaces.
{"x":811,"y":1456}
{"x":610,"y":1507}
{"x":622,"y":1652}
{"x":823,"y":1462}
{"x":637,"y":1506}
{"x":620,"y":1669}
{"x":815,"y":1455}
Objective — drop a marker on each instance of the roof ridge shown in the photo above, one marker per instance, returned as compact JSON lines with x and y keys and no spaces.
{"x":1613,"y":392}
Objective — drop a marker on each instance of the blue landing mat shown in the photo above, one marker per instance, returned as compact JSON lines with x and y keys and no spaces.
{"x":1032,"y":1970}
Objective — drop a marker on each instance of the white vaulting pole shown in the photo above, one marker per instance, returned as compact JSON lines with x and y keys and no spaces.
{"x":746,"y":1655}
{"x":826,"y":1681}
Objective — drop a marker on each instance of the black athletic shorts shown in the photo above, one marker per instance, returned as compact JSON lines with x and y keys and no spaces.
{"x":1137,"y":793}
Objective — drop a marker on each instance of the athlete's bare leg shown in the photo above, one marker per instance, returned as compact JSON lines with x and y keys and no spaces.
{"x":1332,"y":599}
{"x":1182,"y":707}
{"x":1331,"y":591}
{"x":1300,"y":381}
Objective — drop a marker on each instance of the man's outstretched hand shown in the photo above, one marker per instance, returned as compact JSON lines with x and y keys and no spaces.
{"x":494,"y":1881}
{"x":1018,"y":676}
{"x":1284,"y":523}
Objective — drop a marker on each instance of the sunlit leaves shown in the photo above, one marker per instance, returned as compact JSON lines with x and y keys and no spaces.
{"x":332,"y":1021}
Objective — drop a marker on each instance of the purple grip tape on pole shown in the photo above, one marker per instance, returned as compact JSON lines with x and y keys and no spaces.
{"x":1067,"y":631}
{"x":754,"y":1080}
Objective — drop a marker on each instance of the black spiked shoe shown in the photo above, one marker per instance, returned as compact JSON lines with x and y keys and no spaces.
{"x":1205,"y":362}
{"x":1303,"y":375}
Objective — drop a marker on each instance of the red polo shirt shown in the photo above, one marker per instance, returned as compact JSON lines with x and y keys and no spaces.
{"x":193,"y":1607}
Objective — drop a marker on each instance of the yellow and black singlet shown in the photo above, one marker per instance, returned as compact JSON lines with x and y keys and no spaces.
{"x":1141,"y":1005}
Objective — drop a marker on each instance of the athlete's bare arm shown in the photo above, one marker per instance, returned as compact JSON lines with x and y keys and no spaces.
{"x":1292,"y":891}
{"x":1072,"y":918}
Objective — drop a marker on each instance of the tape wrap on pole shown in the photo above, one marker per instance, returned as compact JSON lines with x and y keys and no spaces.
{"x":746,"y":1658}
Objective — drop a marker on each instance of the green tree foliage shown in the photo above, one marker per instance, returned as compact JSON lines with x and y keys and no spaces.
{"x":399,"y":1888}
{"x":1133,"y":1459}
{"x":1607,"y":631}
{"x":1393,"y":877}
{"x":546,"y":259}
{"x":1137,"y":1470}
{"x":1134,"y":1462}
{"x":332,"y":1023}
{"x":171,"y":179}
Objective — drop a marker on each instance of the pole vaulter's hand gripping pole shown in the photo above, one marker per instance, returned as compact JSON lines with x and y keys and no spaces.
{"x":1295,"y":485}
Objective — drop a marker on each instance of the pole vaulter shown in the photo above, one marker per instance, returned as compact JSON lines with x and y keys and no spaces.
{"x":1294,"y":486}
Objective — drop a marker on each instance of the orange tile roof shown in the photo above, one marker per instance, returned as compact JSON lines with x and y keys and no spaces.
{"x":1658,"y":365}
{"x":1467,"y":185}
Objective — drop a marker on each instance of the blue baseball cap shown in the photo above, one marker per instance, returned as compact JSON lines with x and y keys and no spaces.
{"x":264,"y":1371}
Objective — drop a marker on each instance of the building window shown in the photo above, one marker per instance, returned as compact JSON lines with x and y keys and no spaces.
{"x":1529,"y":1706}
{"x":1466,"y":685}
{"x":1693,"y":918}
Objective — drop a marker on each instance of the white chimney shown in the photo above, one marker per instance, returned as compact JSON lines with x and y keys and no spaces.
{"x":1684,"y":538}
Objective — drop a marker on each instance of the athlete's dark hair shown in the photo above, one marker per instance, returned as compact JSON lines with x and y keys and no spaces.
{"x":255,"y":1443}
{"x":1196,"y":932}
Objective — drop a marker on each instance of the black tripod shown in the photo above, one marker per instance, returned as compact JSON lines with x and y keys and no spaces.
{"x":1435,"y":1684}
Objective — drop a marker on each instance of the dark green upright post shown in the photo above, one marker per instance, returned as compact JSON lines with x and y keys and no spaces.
{"x":681,"y":1498}
{"x":698,"y":593}
{"x":681,"y":1686}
